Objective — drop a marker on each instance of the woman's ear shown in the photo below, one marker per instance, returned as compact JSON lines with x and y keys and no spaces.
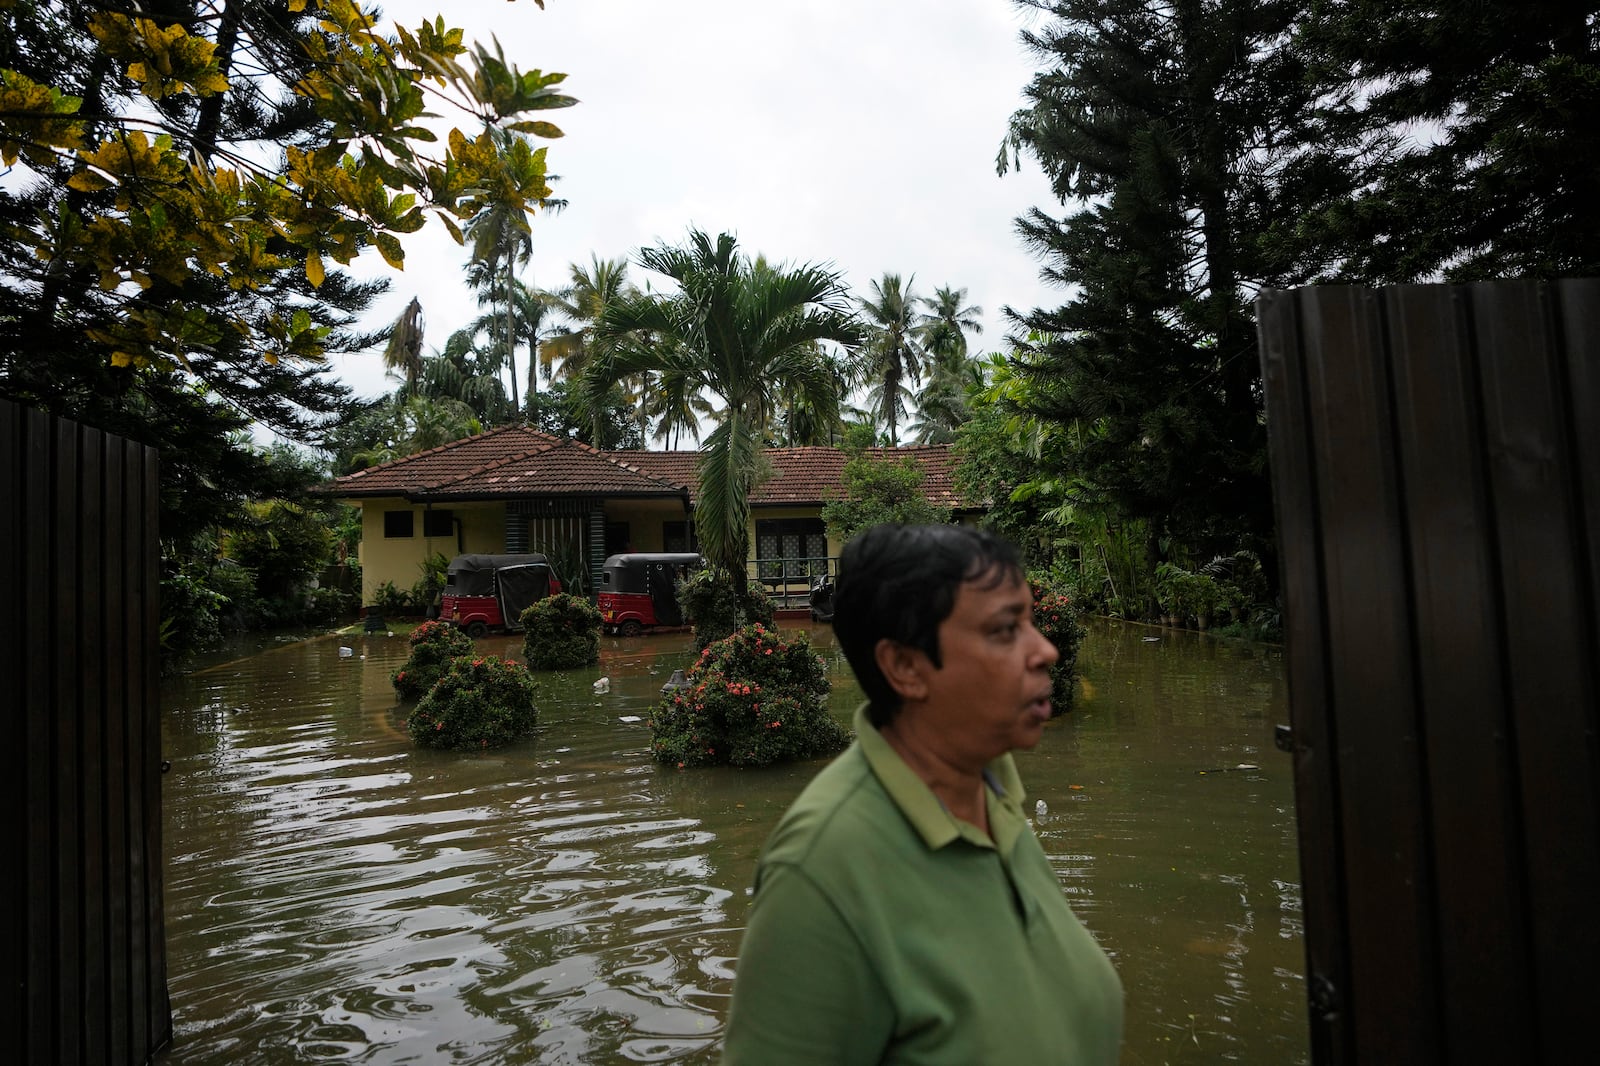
{"x":904,"y":667}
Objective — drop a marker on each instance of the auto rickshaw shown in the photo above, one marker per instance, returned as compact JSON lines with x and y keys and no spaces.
{"x":490,"y":592}
{"x":639,"y":590}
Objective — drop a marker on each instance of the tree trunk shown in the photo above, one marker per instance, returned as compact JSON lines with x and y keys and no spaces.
{"x":209,"y":122}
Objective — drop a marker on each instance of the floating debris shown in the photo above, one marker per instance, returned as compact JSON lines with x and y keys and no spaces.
{"x":602,"y":686}
{"x":630,"y":718}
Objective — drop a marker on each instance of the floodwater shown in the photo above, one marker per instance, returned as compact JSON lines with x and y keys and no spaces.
{"x":336,"y":894}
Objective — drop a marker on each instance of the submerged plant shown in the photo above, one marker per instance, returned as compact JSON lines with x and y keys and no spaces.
{"x":563,"y":633}
{"x":478,"y":703}
{"x":753,"y":698}
{"x":433,"y":646}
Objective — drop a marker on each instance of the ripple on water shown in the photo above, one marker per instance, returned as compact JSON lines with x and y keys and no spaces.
{"x":335,"y":894}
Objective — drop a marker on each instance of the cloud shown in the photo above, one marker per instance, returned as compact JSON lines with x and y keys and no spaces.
{"x":856,"y":132}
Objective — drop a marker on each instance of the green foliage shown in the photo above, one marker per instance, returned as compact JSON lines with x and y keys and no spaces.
{"x":878,"y":489}
{"x":1506,"y":183}
{"x":711,"y":604}
{"x":1186,"y":596}
{"x":742,"y":330}
{"x":477,"y":703}
{"x":1056,"y":617}
{"x":606,"y":423}
{"x":434,"y":570}
{"x":754,"y":698}
{"x":562,"y":633}
{"x":1147,"y":119}
{"x":283,"y":544}
{"x":189,"y":611}
{"x":390,"y":601}
{"x":433,"y":646}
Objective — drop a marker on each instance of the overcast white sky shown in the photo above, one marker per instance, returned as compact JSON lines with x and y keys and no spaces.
{"x":860,"y":133}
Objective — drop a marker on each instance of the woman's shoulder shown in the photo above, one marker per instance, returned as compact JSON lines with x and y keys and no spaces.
{"x":842,"y":809}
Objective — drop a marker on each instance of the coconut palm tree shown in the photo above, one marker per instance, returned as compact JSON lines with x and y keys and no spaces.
{"x":942,"y":402}
{"x":893,"y":353}
{"x":402,"y":353}
{"x":737,"y":330}
{"x":589,"y":290}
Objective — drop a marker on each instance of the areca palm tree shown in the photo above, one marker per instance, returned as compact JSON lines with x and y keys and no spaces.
{"x":893,"y":353}
{"x":738,"y":330}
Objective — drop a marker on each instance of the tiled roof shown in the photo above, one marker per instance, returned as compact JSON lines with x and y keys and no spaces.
{"x":516,"y":461}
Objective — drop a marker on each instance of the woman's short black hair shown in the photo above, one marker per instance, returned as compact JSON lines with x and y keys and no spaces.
{"x":900,"y":583}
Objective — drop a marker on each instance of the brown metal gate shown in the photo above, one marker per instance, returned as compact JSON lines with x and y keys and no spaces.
{"x":1436,"y":463}
{"x":84,"y":945}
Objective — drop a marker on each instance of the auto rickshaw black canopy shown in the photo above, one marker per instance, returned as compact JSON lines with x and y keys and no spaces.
{"x":474,"y":575}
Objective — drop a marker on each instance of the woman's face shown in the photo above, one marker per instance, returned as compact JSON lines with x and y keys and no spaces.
{"x":992,"y":693}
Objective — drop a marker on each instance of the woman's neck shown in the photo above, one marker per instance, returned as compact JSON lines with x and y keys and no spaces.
{"x":959,"y":787}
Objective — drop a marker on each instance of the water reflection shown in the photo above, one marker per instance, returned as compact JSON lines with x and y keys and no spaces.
{"x":335,"y":894}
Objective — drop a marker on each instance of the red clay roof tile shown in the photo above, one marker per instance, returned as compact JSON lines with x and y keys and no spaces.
{"x":517,"y":461}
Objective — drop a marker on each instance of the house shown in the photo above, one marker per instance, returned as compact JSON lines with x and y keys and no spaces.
{"x":516,"y":489}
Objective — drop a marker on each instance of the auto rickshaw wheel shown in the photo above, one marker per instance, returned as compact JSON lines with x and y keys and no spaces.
{"x":630,"y":628}
{"x":477,"y":629}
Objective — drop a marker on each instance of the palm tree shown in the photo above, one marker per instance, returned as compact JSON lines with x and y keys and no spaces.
{"x":944,"y":326}
{"x":468,"y":370}
{"x":403,"y":352}
{"x":582,"y":301}
{"x":893,"y":350}
{"x":942,"y":403}
{"x":738,"y":330}
{"x":502,"y":237}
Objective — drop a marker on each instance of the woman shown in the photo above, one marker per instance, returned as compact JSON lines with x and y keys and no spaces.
{"x":904,"y":911}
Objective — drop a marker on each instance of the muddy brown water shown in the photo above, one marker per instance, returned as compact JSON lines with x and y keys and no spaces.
{"x":335,"y":894}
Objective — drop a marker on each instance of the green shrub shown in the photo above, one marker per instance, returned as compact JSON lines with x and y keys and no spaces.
{"x":753,"y":699}
{"x":478,"y":703}
{"x":711,"y":604}
{"x":563,"y":633}
{"x":433,"y":646}
{"x":189,"y":611}
{"x":390,"y":600}
{"x":1055,"y":616}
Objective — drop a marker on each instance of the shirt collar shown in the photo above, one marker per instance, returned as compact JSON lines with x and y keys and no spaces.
{"x":929,"y":817}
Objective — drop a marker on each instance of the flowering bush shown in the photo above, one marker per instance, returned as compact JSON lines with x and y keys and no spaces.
{"x":433,"y":645}
{"x":753,"y":699}
{"x":478,"y":703}
{"x":1057,"y":618}
{"x":563,"y":633}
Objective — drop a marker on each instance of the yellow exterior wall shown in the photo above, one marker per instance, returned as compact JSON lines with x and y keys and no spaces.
{"x":398,"y":559}
{"x":644,"y":518}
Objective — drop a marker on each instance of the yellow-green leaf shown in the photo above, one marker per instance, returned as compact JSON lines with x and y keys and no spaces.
{"x":538,"y":129}
{"x":389,"y":248}
{"x":314,"y":270}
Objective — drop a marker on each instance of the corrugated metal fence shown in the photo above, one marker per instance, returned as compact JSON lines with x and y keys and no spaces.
{"x":85,"y":949}
{"x":1436,"y":462}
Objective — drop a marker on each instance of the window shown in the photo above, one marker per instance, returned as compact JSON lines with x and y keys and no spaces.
{"x":677,"y":537}
{"x":398,"y":523}
{"x":790,"y":549}
{"x":617,"y":539}
{"x":438,"y":523}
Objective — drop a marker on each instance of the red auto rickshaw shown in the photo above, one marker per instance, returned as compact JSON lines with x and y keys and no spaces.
{"x":639,"y":590}
{"x":490,"y":592}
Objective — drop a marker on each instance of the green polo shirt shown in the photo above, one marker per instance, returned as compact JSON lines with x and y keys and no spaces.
{"x":886,"y":930}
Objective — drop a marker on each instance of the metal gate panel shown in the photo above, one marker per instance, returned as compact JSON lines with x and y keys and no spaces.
{"x":85,"y":948}
{"x":1435,"y":454}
